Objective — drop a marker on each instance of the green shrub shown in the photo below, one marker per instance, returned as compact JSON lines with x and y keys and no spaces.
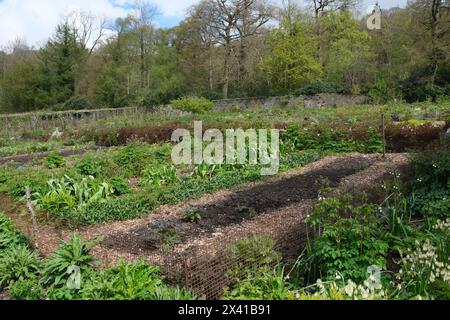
{"x":78,"y":103}
{"x":131,"y":159}
{"x":66,"y":194}
{"x":17,"y":263}
{"x":193,"y":104}
{"x":119,"y":185}
{"x":54,"y":161}
{"x":414,"y":91}
{"x":88,"y":166}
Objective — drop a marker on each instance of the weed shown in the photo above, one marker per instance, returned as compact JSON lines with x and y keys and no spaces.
{"x":193,"y":215}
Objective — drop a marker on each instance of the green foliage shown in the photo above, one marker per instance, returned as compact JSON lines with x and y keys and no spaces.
{"x":17,"y":263}
{"x":9,"y":236}
{"x":23,"y":88}
{"x":193,"y":104}
{"x":193,"y":215}
{"x":26,"y":289}
{"x":349,"y":241}
{"x":249,"y":257}
{"x":56,"y":202}
{"x":54,"y":161}
{"x":119,"y":185}
{"x":159,"y":176}
{"x":78,"y":103}
{"x":74,"y":252}
{"x":120,"y":209}
{"x":263,"y":286}
{"x":61,"y":58}
{"x":131,"y":159}
{"x":136,"y":281}
{"x":66,"y":194}
{"x":380,"y":92}
{"x":291,"y":63}
{"x":430,"y":186}
{"x":89,"y":166}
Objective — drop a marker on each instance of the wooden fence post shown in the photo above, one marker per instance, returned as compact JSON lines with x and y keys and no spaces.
{"x":383,"y":126}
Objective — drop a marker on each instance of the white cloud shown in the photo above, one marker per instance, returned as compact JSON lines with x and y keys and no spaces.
{"x":35,"y":20}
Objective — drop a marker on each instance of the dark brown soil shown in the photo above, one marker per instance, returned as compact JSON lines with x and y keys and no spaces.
{"x":243,"y":205}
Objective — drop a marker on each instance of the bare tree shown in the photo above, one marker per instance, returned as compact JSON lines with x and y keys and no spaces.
{"x":254,"y":14}
{"x":322,"y":6}
{"x":89,"y":29}
{"x":142,"y":20}
{"x":229,"y":21}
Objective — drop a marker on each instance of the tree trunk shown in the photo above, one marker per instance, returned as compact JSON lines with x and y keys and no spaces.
{"x":226,"y":78}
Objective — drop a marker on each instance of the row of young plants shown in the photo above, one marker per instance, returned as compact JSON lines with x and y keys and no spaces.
{"x":72,"y":273}
{"x":406,"y":238}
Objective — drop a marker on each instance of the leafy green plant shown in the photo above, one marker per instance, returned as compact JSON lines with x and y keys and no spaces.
{"x":159,"y":176}
{"x":17,"y":263}
{"x":205,"y":171}
{"x":88,"y":166}
{"x":9,"y":236}
{"x":66,"y":194}
{"x":119,"y":185}
{"x":26,"y":289}
{"x":193,"y":215}
{"x":131,"y":159}
{"x":193,"y":104}
{"x":54,"y":161}
{"x":135,"y":281}
{"x":348,"y":242}
{"x":74,"y":252}
{"x":263,"y":286}
{"x":56,"y":202}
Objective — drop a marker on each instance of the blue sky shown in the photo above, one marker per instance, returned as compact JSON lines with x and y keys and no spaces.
{"x":35,"y":20}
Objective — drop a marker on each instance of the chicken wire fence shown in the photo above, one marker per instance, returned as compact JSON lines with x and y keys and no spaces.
{"x":203,"y":266}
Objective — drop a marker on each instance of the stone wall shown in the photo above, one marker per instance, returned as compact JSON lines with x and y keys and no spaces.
{"x":316,"y":101}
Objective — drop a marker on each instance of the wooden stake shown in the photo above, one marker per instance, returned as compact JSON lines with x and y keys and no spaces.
{"x":383,"y":125}
{"x":32,"y":212}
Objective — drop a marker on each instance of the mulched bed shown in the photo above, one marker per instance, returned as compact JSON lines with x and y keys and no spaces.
{"x":244,"y":205}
